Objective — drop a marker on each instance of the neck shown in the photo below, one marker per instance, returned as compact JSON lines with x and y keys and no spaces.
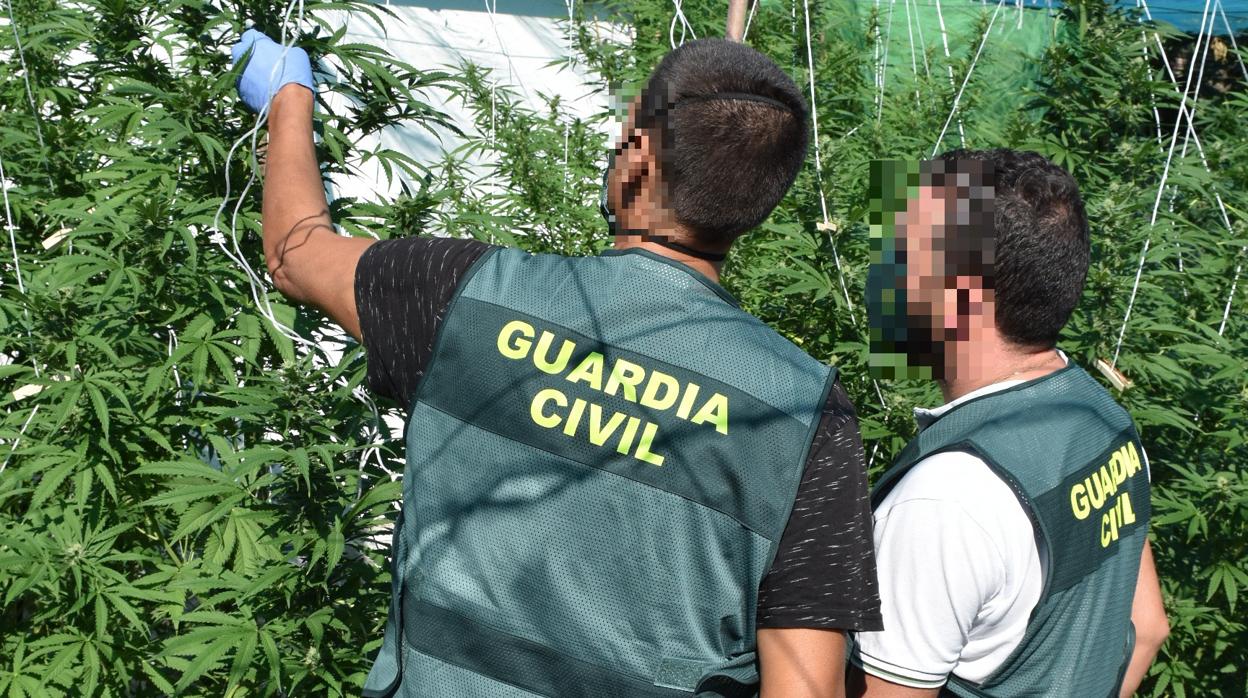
{"x":973,"y":365}
{"x":706,"y":268}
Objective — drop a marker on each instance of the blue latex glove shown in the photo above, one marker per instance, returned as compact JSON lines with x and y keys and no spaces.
{"x":268,"y":70}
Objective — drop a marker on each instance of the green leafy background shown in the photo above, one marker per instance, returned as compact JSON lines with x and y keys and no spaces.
{"x":191,"y":503}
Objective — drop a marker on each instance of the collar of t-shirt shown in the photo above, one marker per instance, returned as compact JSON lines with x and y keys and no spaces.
{"x":926,"y":416}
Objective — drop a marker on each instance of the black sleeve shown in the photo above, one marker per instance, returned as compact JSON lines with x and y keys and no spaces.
{"x":824,"y":572}
{"x":402,"y":290}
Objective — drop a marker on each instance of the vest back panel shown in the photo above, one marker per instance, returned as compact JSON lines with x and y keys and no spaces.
{"x":601,"y":460}
{"x":1072,"y":456}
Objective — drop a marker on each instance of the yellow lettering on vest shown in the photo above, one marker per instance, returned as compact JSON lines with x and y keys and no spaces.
{"x":686,"y":402}
{"x":714,"y":411}
{"x":1105,"y":533}
{"x":669,"y":386}
{"x":1096,"y":493}
{"x":1128,"y":514}
{"x":1079,"y":501}
{"x":627,"y":374}
{"x":599,"y":432}
{"x":513,"y":346}
{"x":1118,"y":467}
{"x":589,"y":371}
{"x":1117,"y":518}
{"x":1133,"y":458}
{"x":540,"y":357}
{"x":1108,"y":486}
{"x":539,"y":401}
{"x":630,"y":433}
{"x":647,"y":441}
{"x":574,"y":417}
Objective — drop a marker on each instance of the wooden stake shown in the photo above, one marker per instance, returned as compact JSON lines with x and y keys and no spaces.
{"x":736,"y":19}
{"x":1113,"y":375}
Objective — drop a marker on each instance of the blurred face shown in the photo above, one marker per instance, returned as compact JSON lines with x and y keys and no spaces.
{"x":633,"y":197}
{"x":926,"y":290}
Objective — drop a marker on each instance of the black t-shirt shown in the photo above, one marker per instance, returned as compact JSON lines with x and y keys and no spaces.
{"x":824,"y":572}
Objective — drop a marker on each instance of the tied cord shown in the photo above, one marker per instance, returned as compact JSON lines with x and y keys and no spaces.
{"x":664,"y":241}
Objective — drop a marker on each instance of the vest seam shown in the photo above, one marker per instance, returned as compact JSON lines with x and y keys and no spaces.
{"x":1045,"y":590}
{"x":803,"y":462}
{"x":554,"y":650}
{"x":721,"y":292}
{"x":440,"y":334}
{"x":560,"y":456}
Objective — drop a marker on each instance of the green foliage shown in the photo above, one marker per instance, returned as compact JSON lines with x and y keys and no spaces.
{"x":189,"y":503}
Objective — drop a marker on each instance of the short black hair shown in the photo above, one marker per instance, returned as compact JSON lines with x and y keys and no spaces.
{"x":1042,"y":249}
{"x":733,"y":131}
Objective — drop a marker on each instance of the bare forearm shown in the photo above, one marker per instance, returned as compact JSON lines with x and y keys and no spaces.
{"x":1146,"y":650}
{"x":801,"y":663}
{"x":1148,"y":615}
{"x":294,"y":195}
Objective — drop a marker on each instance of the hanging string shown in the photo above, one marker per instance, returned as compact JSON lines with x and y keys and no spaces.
{"x":11,"y":227}
{"x":1206,"y":28}
{"x":1183,"y":114}
{"x":927,"y":68}
{"x":823,"y":201}
{"x":679,"y":18}
{"x":883,"y":65}
{"x":1239,"y":266}
{"x":8,"y":224}
{"x":957,"y":99}
{"x":21,"y":432}
{"x":944,"y":38}
{"x":914,"y":63}
{"x":255,"y":283}
{"x":749,"y":20}
{"x":30,"y":94}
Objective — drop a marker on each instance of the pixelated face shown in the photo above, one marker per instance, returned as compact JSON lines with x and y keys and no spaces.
{"x":929,"y":285}
{"x":634,"y":198}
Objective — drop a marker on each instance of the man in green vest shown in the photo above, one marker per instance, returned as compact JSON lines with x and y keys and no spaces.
{"x":618,"y":483}
{"x":1011,"y":533}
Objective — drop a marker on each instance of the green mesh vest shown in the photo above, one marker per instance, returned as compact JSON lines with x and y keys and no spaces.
{"x":601,"y":459}
{"x":1073,"y":458}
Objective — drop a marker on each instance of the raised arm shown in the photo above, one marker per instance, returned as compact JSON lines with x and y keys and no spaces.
{"x":308,"y":261}
{"x":1148,"y":615}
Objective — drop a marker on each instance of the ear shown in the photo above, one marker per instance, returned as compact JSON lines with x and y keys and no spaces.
{"x":633,"y":181}
{"x":968,"y":307}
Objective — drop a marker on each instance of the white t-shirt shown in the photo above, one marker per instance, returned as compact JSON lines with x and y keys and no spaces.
{"x":960,"y":570}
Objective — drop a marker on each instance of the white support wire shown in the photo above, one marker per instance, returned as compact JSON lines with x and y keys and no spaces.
{"x":256,"y":284}
{"x":18,"y":440}
{"x":749,"y":20}
{"x":957,"y":99}
{"x":1206,"y":32}
{"x":1185,"y":114}
{"x":914,"y":63}
{"x":679,"y":18}
{"x":1234,"y":44}
{"x":814,"y":121}
{"x":17,"y":266}
{"x":567,"y":124}
{"x":823,"y":201}
{"x":944,"y":38}
{"x":927,"y":67}
{"x":882,"y":69}
{"x":9,"y":226}
{"x":1239,"y":266}
{"x":30,"y":94}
